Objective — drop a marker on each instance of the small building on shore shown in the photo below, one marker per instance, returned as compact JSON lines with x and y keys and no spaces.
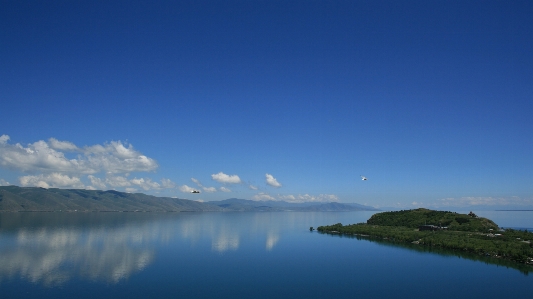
{"x":431,"y":227}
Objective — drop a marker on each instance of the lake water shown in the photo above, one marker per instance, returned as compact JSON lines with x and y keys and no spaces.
{"x":235,"y":255}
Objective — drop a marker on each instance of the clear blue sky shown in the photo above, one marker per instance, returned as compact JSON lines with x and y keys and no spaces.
{"x":431,"y":100}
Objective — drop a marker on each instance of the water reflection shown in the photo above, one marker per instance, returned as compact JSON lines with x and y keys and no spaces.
{"x":226,"y":230}
{"x":225,"y":241}
{"x":54,"y":248}
{"x":524,"y":268}
{"x":272,"y":239}
{"x":54,"y":256}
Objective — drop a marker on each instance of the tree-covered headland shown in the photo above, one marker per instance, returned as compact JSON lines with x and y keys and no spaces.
{"x":420,"y":217}
{"x":443,"y":229}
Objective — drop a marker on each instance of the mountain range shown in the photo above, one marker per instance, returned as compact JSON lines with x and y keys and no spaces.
{"x":36,"y":199}
{"x":28,"y":199}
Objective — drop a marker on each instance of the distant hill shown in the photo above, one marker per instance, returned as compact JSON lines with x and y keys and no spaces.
{"x":235,"y":204}
{"x":26,"y":199}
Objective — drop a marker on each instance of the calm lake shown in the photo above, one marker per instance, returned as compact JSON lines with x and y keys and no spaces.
{"x":235,"y":255}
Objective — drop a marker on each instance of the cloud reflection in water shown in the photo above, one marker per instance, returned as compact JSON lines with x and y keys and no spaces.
{"x":272,"y":239}
{"x":51,"y":249}
{"x":53,"y":256}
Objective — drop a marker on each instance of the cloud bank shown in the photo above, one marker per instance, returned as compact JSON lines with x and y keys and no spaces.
{"x":54,"y":179}
{"x":297,"y":198}
{"x":42,"y":156}
{"x":263,"y":197}
{"x":209,"y":189}
{"x":62,"y":164}
{"x":186,"y":189}
{"x":479,"y":201}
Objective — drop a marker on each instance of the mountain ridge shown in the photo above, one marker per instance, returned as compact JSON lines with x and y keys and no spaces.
{"x":37,"y":199}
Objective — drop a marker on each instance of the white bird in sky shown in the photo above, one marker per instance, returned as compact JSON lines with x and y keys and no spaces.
{"x":363,"y":178}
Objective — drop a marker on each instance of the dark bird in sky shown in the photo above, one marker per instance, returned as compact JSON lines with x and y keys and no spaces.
{"x":195,"y":191}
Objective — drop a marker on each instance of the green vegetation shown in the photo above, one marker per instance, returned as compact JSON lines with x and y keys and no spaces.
{"x":33,"y":199}
{"x":465,"y":233}
{"x":418,"y":217}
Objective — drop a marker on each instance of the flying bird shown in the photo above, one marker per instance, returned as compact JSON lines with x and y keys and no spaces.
{"x":195,"y":191}
{"x":363,"y":178}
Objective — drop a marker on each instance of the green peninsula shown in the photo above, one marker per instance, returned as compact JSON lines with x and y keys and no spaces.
{"x":443,"y":229}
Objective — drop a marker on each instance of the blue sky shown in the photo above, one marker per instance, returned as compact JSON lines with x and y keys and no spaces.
{"x":271,"y":100}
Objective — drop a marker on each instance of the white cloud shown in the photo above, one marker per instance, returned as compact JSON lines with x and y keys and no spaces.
{"x":209,"y":189}
{"x":186,"y":189}
{"x":166,"y":183}
{"x":121,"y":151}
{"x":146,"y":184}
{"x":131,"y":190}
{"x":52,"y":180}
{"x":4,"y":139}
{"x":287,"y":197}
{"x":206,"y":189}
{"x":224,"y":189}
{"x":62,"y":145}
{"x":97,"y":183}
{"x":94,"y":149}
{"x":476,"y":201}
{"x":37,"y":157}
{"x":224,"y":178}
{"x":112,"y":157}
{"x":121,"y":182}
{"x":197,"y":182}
{"x":4,"y":182}
{"x":329,"y":197}
{"x":252,"y":187}
{"x":312,"y":198}
{"x":117,"y":181}
{"x":270,"y":180}
{"x":262,"y":196}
